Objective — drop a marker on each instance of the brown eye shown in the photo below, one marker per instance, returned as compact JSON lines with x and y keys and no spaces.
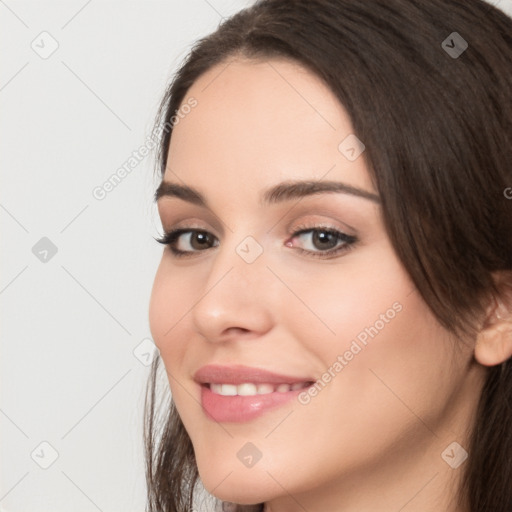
{"x":188,"y":241}
{"x":324,"y":240}
{"x":200,"y":240}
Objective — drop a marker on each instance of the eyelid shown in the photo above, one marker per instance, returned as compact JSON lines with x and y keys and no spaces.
{"x":182,"y":224}
{"x":316,"y":221}
{"x":188,"y":216}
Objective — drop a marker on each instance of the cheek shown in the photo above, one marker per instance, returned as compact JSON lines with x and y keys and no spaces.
{"x":389,"y":364}
{"x":172,"y":297}
{"x":159,"y":321}
{"x":374,"y":342}
{"x":347,"y":301}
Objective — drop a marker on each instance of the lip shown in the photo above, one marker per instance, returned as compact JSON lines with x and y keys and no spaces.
{"x":238,"y":374}
{"x":238,"y":409}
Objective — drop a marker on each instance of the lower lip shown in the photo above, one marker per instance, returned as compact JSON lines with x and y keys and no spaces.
{"x":238,"y":409}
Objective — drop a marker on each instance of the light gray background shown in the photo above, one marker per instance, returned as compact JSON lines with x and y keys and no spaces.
{"x":69,"y":326}
{"x":75,"y":333}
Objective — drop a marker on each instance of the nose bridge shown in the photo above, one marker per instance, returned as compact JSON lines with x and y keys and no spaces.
{"x":235,"y":292}
{"x":242,"y":259}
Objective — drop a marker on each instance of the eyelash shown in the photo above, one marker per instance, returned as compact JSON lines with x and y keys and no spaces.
{"x":171,"y":237}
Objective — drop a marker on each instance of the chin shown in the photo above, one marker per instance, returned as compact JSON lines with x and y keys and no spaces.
{"x":242,"y":493}
{"x":242,"y":486}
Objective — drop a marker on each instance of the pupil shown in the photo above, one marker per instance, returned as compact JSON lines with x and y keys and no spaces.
{"x":199,"y":240}
{"x":324,"y":240}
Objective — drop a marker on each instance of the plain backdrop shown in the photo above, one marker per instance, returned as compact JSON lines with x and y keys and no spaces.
{"x":75,"y":331}
{"x":80,"y":82}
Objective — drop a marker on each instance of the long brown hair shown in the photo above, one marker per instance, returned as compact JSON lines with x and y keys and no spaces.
{"x":437,"y":127}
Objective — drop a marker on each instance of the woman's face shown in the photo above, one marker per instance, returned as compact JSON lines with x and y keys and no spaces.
{"x":301,"y":282}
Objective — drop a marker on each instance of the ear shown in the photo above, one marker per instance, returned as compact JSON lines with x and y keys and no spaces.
{"x":494,"y":341}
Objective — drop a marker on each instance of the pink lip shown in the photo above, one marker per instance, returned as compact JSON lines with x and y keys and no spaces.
{"x":237,"y":408}
{"x":238,"y":374}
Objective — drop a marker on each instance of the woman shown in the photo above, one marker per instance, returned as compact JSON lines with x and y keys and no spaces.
{"x":333,"y":306}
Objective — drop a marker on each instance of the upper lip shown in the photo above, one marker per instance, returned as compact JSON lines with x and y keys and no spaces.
{"x":239,"y":374}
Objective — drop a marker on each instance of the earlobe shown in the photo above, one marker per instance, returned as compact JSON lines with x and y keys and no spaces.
{"x":494,"y":341}
{"x":494,"y":344}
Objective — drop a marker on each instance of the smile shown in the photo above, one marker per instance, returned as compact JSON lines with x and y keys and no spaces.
{"x":251,"y":389}
{"x":240,"y":394}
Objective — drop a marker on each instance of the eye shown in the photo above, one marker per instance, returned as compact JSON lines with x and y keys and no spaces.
{"x":322,"y":242}
{"x":319,"y":242}
{"x":186,"y":241}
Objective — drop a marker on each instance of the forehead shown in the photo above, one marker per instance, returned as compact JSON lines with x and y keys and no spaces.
{"x":278,"y":83}
{"x":263,"y":121}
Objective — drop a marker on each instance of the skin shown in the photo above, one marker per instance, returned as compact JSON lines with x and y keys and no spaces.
{"x":372,"y":439}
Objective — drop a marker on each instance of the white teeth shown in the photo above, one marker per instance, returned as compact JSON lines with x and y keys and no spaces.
{"x":246,"y":389}
{"x":216,"y":388}
{"x":250,"y":389}
{"x":265,"y":389}
{"x":227,"y":389}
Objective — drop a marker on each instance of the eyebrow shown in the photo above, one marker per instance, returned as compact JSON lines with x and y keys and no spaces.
{"x":281,"y":192}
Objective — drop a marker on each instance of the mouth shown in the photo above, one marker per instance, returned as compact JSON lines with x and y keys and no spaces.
{"x":238,"y":394}
{"x":253,"y":389}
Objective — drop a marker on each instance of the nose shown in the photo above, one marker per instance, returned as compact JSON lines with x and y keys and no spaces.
{"x":237,"y":299}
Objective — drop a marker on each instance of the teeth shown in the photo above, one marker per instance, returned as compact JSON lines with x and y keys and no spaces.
{"x":250,"y":389}
{"x":246,"y":389}
{"x":264,"y":389}
{"x":224,"y":389}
